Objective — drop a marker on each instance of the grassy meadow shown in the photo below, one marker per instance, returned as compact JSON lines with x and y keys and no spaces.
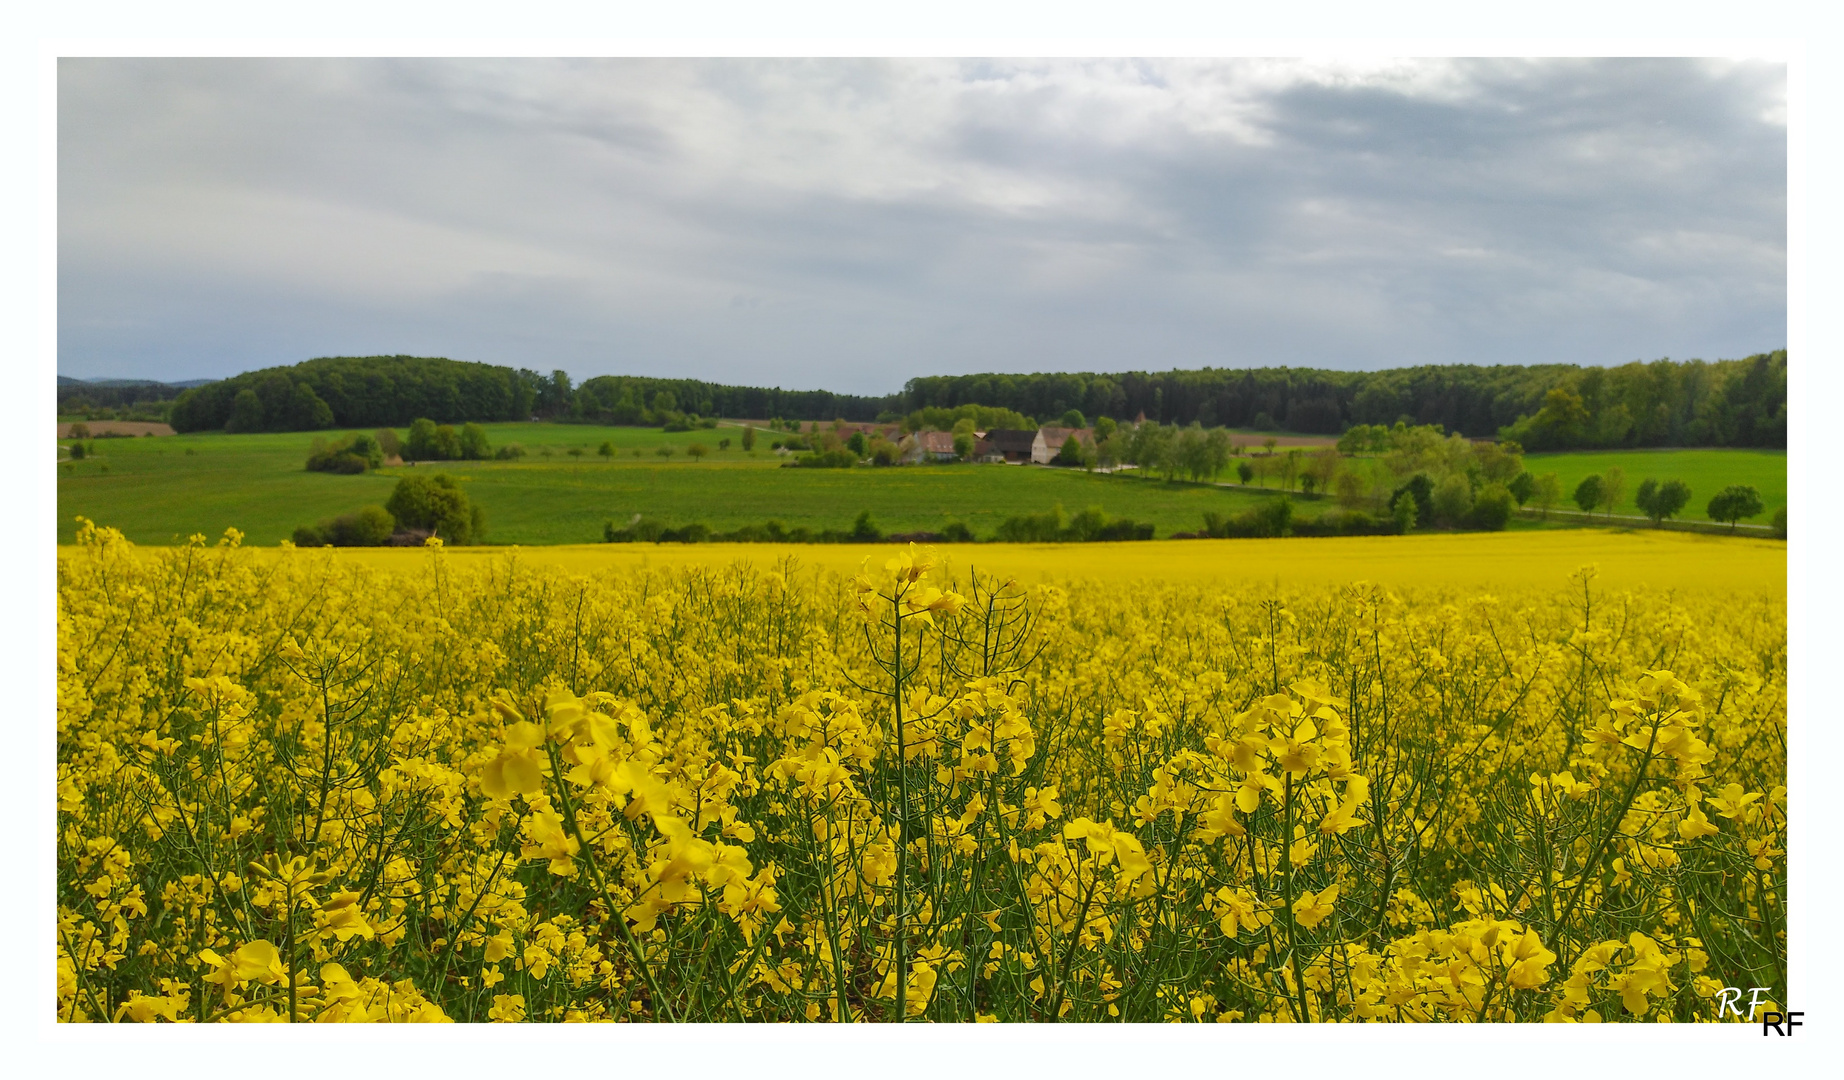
{"x":1706,"y":471}
{"x":161,"y":490}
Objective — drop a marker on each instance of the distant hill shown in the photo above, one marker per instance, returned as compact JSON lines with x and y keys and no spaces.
{"x":1544,"y":407}
{"x":371,"y":391}
{"x":89,"y":395}
{"x":358,"y":391}
{"x":187,"y":384}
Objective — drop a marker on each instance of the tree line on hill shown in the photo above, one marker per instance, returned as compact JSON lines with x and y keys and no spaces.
{"x":119,"y":399}
{"x":357,"y":392}
{"x":1542,"y":407}
{"x":369,"y":391}
{"x":634,"y":399}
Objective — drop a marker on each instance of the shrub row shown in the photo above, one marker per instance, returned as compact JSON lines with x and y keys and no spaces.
{"x":824,"y":459}
{"x":369,"y":526}
{"x":1054,"y":526}
{"x":1276,"y":518}
{"x":1454,"y":503}
{"x":643,"y":529}
{"x":349,"y":456}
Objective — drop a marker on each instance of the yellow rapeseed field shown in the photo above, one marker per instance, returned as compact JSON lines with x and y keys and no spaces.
{"x":1414,"y":779}
{"x":1622,"y":558}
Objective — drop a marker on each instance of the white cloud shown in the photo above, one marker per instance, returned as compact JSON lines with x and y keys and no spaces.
{"x":852,"y":223}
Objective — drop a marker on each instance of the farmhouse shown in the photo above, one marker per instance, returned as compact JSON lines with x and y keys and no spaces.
{"x":1010,"y":447}
{"x":927,"y":446}
{"x":1049,"y":442}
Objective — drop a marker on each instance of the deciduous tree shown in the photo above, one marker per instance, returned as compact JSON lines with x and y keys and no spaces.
{"x":1733,"y":503}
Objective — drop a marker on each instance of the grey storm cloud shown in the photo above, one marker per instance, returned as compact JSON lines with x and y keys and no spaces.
{"x":850,"y":224}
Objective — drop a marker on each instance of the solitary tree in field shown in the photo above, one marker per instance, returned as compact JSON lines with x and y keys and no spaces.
{"x":1547,"y":493}
{"x":436,"y":503}
{"x":1661,"y":501}
{"x":607,"y":450}
{"x":663,"y":450}
{"x":749,"y":437}
{"x":1645,"y":493}
{"x":1735,"y":502}
{"x":697,"y":451}
{"x":1588,"y":494}
{"x":1245,"y":471}
{"x":1613,"y":488}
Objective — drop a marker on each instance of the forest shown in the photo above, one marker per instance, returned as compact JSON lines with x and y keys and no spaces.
{"x":371,"y":391}
{"x":78,"y":396}
{"x":1543,"y":407}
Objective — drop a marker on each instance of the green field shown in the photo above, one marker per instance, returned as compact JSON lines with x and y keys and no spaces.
{"x":1706,"y":471}
{"x":158,"y":493}
{"x":161,"y":490}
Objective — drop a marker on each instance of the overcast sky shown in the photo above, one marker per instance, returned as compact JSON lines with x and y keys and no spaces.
{"x":850,"y":224}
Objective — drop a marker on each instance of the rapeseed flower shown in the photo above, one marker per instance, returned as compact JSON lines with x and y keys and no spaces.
{"x":489,"y":791}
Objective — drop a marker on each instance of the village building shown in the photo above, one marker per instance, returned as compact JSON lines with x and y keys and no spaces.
{"x":1010,"y":447}
{"x":1049,"y":442}
{"x":928,"y":446}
